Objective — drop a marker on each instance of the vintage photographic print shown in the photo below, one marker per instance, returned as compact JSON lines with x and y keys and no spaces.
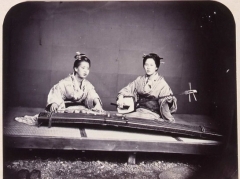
{"x":119,"y":89}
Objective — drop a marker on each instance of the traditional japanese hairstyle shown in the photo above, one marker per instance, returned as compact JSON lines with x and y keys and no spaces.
{"x":154,"y":56}
{"x":80,"y":57}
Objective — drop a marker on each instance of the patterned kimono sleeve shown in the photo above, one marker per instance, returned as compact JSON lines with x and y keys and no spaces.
{"x":91,"y":95}
{"x":171,"y":100}
{"x":130,"y":89}
{"x":57,"y":95}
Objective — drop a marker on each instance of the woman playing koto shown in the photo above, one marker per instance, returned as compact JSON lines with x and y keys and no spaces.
{"x":75,"y":88}
{"x":148,"y":90}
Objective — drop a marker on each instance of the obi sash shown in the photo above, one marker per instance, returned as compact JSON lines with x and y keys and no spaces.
{"x":148,"y":102}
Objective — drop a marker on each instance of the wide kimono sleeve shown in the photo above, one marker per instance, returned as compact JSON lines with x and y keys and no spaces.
{"x":130,"y":89}
{"x":57,"y":95}
{"x":171,"y":100}
{"x":91,"y":95}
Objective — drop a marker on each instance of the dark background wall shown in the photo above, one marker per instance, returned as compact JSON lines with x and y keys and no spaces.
{"x":196,"y":40}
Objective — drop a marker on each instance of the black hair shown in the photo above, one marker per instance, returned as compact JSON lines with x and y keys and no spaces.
{"x":154,"y":56}
{"x":79,"y":59}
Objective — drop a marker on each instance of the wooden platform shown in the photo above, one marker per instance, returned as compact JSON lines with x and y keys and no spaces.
{"x":19,"y":135}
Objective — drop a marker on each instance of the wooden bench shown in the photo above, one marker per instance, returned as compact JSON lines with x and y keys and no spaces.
{"x":20,"y":135}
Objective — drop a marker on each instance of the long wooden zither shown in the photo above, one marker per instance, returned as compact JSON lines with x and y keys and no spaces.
{"x":46,"y":118}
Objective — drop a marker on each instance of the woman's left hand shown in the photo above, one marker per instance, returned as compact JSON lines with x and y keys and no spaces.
{"x":98,"y":108}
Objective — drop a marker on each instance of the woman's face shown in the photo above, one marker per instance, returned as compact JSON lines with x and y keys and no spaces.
{"x":82,"y":70}
{"x":150,"y":66}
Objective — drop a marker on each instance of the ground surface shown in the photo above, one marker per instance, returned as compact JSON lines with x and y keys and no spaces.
{"x":85,"y":165}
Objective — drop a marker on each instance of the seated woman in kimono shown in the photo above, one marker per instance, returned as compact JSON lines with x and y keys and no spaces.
{"x":75,"y":88}
{"x":147,"y":91}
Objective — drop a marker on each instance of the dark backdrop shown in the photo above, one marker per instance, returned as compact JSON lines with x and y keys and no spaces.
{"x":196,"y":40}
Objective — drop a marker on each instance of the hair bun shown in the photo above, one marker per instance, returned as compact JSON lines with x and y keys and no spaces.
{"x":79,"y":55}
{"x":152,"y":55}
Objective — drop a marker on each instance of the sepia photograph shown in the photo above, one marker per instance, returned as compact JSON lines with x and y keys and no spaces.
{"x":119,"y":89}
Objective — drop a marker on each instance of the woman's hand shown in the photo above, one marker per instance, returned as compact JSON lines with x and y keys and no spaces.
{"x":98,"y":108}
{"x":54,"y":107}
{"x":169,"y":99}
{"x":120,"y":102}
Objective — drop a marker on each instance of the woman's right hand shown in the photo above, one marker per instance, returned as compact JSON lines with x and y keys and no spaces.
{"x":120,"y":102}
{"x":54,"y":107}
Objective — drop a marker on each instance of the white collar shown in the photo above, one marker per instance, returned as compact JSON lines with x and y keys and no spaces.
{"x":153,"y":77}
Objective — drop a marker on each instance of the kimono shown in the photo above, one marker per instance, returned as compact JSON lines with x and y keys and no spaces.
{"x":147,"y":92}
{"x":69,"y":89}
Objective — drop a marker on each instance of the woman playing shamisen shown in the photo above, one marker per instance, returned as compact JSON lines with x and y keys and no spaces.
{"x":148,"y":90}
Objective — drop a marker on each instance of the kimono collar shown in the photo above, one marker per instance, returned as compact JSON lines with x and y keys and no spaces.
{"x":75,"y":81}
{"x":153,"y":77}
